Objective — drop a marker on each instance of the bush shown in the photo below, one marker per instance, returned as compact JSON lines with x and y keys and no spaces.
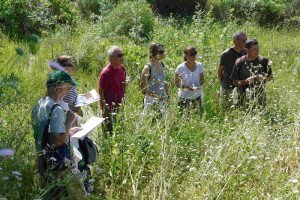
{"x":177,"y":7}
{"x":18,"y":18}
{"x":133,"y":19}
{"x":266,"y":12}
{"x":94,"y":8}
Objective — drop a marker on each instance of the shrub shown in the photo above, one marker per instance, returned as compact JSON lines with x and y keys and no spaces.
{"x":93,"y":8}
{"x":177,"y":7}
{"x":18,"y":18}
{"x":134,"y":19}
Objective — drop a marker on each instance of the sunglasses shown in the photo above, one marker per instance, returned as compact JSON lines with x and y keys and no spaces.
{"x":161,"y":51}
{"x":120,"y":55}
{"x":192,"y":54}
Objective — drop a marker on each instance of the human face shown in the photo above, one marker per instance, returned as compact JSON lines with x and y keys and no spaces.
{"x":160,"y":53}
{"x":64,"y":89}
{"x":253,"y":52}
{"x":240,"y":43}
{"x":118,"y":57}
{"x":191,"y":55}
{"x":70,"y":68}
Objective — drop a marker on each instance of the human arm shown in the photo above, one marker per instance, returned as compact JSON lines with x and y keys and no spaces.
{"x":220,"y":72}
{"x":201,"y":77}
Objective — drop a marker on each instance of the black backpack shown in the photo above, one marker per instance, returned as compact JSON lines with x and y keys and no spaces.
{"x":88,"y":150}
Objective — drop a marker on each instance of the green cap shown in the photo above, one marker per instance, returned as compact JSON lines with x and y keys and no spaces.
{"x":60,"y":77}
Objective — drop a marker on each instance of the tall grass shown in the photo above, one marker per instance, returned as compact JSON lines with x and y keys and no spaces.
{"x":221,"y":155}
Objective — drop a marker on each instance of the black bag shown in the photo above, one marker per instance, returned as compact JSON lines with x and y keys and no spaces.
{"x":89,"y":150}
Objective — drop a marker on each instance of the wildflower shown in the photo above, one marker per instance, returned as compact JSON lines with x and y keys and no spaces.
{"x":0,"y":168}
{"x":253,"y":157}
{"x":7,"y":152}
{"x":90,"y":188}
{"x":16,"y":173}
{"x":295,"y":191}
{"x":18,"y":177}
{"x":52,"y":158}
{"x":99,"y":170}
{"x":5,"y":178}
{"x":293,"y":180}
{"x":91,"y":181}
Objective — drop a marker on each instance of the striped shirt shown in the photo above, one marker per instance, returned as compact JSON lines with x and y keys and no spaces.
{"x":71,"y":98}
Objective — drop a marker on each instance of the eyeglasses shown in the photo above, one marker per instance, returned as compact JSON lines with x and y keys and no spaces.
{"x":120,"y":55}
{"x":70,"y":65}
{"x":161,"y":51}
{"x":192,"y":54}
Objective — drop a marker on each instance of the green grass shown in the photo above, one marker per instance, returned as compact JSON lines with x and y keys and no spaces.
{"x":222,"y":155}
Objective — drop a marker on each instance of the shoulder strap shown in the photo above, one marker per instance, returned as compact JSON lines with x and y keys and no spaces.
{"x":45,"y":137}
{"x":162,"y":64}
{"x":149,"y":71}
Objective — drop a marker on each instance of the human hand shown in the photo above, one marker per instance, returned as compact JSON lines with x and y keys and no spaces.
{"x":251,"y":79}
{"x":74,"y":130}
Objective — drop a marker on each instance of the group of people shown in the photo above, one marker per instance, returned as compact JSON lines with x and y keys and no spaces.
{"x":54,"y":116}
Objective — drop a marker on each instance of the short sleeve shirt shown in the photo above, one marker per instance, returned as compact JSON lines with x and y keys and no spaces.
{"x":191,"y":79}
{"x":227,"y":60}
{"x":71,"y":98}
{"x":39,"y":115}
{"x":112,"y":81}
{"x":244,"y":69}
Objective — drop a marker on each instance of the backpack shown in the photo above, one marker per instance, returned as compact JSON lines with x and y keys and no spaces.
{"x":88,"y":150}
{"x":150,"y":74}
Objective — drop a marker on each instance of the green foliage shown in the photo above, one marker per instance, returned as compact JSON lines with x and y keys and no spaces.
{"x":92,"y":9}
{"x":177,"y":7}
{"x":133,"y":19}
{"x":220,"y":155}
{"x":266,"y":13}
{"x":23,"y":17}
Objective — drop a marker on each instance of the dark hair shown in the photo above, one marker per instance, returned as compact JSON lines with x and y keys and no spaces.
{"x":187,"y":50}
{"x":250,"y":43}
{"x":65,"y":60}
{"x":153,"y":49}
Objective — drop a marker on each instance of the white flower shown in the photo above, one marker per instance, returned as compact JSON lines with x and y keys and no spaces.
{"x":295,"y":191}
{"x":253,"y":157}
{"x":52,"y":158}
{"x":293,"y":180}
{"x":16,"y":173}
{"x":18,"y":177}
{"x":0,"y":168}
{"x":92,"y":181}
{"x":5,"y":178}
{"x":90,"y":188}
{"x":98,"y":170}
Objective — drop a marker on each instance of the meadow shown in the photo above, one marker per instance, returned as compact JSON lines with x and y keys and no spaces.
{"x":236,"y":154}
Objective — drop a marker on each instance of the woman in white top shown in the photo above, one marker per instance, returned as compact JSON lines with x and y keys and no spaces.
{"x":189,"y":77}
{"x":153,"y":80}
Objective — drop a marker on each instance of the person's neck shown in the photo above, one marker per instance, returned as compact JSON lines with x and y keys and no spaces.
{"x":154,"y":62}
{"x":114,"y":65}
{"x":190,"y":64}
{"x":54,"y":96}
{"x":237,"y":49}
{"x":251,"y":58}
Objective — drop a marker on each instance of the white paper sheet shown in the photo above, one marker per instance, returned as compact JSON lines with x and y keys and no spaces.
{"x":87,"y":98}
{"x":92,"y":123}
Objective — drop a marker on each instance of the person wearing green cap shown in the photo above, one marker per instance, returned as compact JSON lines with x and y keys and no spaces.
{"x":51,"y":140}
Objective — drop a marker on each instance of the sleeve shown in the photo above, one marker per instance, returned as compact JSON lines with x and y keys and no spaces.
{"x":201,"y":68}
{"x":235,"y":70}
{"x":267,"y":67}
{"x":178,"y":70}
{"x":57,"y":121}
{"x":223,"y":59}
{"x":101,"y":81}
